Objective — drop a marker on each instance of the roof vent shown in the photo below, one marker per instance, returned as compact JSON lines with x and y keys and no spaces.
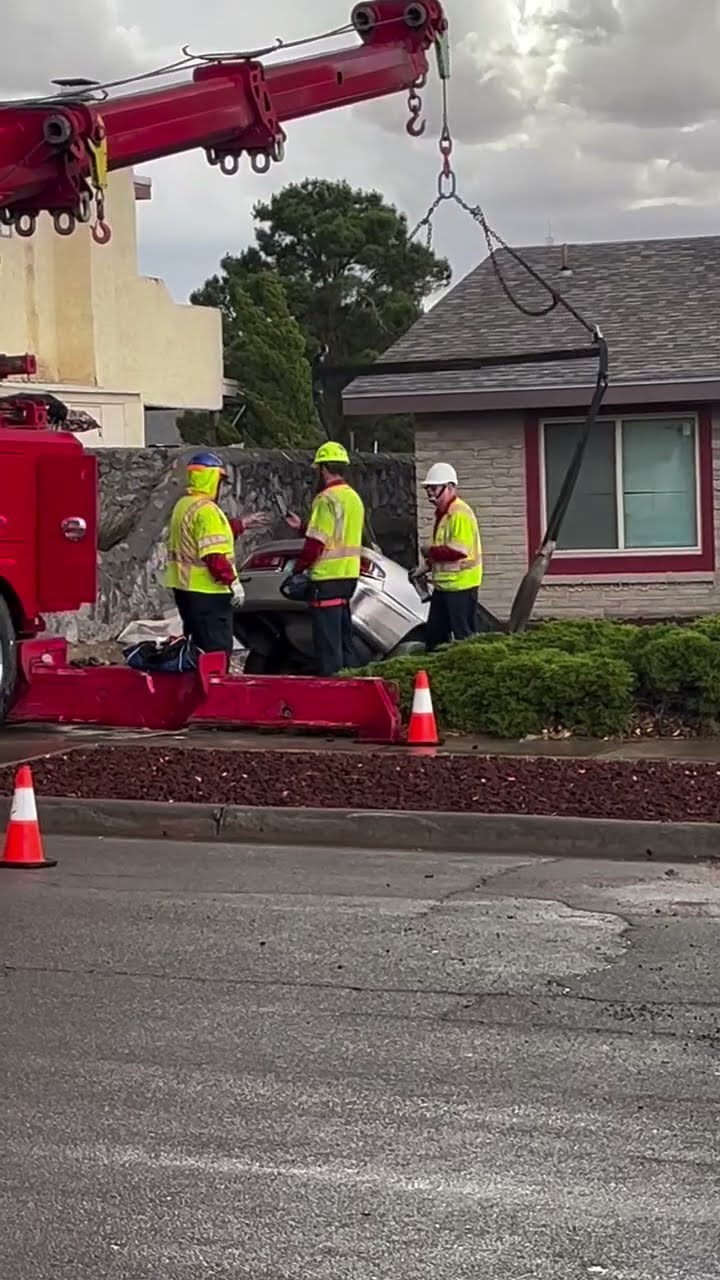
{"x":565,"y":268}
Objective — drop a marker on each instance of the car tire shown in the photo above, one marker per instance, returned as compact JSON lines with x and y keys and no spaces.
{"x":8,"y":659}
{"x":413,"y":643}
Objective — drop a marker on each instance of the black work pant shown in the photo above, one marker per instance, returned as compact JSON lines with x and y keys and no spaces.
{"x":452,"y":616}
{"x":207,"y":619}
{"x":332,"y":625}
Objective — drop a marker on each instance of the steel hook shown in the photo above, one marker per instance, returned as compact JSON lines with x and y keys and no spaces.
{"x":101,"y":233}
{"x":416,"y":126}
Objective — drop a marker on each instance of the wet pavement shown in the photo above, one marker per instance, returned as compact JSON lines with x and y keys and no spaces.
{"x":272,"y":1064}
{"x":18,"y":743}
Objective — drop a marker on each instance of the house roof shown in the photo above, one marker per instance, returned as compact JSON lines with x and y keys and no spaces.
{"x":657,"y":303}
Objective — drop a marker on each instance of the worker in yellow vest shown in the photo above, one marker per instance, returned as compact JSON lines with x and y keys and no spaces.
{"x":201,"y":569}
{"x":331,"y":558}
{"x":454,"y":559}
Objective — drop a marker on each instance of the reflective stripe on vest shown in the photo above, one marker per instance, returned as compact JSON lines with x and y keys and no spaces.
{"x":337,"y":520}
{"x":186,"y":569}
{"x":458,"y":529}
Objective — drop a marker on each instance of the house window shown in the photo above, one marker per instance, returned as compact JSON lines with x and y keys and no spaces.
{"x":644,"y":500}
{"x":637,"y":491}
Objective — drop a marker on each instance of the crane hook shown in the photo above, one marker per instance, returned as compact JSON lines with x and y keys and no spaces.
{"x":415,"y":125}
{"x":101,"y":232}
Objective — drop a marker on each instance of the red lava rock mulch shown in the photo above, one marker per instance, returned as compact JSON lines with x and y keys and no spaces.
{"x":486,"y":784}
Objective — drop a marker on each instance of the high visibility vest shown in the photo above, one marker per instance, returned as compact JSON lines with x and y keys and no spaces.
{"x":197,"y":528}
{"x":337,"y":520}
{"x":458,"y":528}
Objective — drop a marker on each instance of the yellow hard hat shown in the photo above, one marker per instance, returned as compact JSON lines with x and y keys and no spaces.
{"x":331,"y":451}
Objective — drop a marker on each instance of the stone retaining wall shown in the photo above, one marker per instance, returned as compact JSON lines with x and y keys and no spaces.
{"x":138,"y":488}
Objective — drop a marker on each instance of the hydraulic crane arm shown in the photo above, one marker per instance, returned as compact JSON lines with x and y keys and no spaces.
{"x":55,"y":153}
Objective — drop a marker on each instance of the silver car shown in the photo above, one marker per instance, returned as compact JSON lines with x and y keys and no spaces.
{"x":388,"y":610}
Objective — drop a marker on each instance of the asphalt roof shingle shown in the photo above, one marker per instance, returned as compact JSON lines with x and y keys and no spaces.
{"x":657,"y":303}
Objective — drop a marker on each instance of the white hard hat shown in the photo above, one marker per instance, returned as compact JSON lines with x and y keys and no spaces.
{"x":440,"y":473}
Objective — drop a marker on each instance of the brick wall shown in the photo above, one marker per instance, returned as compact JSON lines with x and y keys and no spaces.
{"x":488,"y":453}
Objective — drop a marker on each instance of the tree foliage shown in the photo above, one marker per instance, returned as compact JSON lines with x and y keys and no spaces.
{"x":353,"y":280}
{"x":264,"y":349}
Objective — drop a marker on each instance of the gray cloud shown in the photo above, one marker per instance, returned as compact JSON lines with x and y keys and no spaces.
{"x":41,"y":42}
{"x":657,"y":66}
{"x":594,"y":21}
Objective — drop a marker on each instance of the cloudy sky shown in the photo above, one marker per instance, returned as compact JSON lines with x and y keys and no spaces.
{"x":591,"y":119}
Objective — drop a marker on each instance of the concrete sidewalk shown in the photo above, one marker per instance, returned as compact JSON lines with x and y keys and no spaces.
{"x":25,"y":743}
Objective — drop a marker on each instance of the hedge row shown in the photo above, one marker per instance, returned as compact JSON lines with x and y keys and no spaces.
{"x":589,"y":677}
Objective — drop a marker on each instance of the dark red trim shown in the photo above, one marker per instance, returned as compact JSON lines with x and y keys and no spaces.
{"x":563,"y":565}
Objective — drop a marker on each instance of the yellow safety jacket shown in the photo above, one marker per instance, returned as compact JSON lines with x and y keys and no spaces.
{"x":198,"y":528}
{"x":337,"y":520}
{"x":458,"y":528}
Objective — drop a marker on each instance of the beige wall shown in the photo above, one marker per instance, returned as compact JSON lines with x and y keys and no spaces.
{"x":489,"y":455}
{"x":95,"y":324}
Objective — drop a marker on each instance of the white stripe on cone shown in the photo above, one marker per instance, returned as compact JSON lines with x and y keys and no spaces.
{"x":23,"y":808}
{"x":422,"y":703}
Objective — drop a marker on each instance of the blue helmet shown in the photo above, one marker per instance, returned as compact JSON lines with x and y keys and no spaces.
{"x":207,"y":460}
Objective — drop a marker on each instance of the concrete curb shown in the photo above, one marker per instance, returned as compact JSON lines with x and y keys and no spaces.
{"x":348,"y":829}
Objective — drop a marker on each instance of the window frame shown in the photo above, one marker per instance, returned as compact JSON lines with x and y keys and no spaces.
{"x":624,"y":561}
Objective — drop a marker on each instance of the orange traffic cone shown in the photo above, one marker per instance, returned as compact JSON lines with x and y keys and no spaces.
{"x":422,"y":730}
{"x":23,"y":842}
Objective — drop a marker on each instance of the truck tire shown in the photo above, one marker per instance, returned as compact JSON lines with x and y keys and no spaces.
{"x":8,"y":659}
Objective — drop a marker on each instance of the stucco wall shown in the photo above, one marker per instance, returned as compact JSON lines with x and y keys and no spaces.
{"x":96,"y":325}
{"x":489,"y":454}
{"x":138,"y":488}
{"x":120,"y":414}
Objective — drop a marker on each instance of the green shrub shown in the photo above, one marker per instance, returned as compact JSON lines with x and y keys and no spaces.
{"x":503,"y":689}
{"x":590,"y":694}
{"x":583,"y":635}
{"x":462,"y":678}
{"x":679,"y":670}
{"x":585,"y":675}
{"x":451,"y":670}
{"x":709,"y":627}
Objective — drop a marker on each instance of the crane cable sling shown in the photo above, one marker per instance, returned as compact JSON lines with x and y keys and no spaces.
{"x":447,"y":191}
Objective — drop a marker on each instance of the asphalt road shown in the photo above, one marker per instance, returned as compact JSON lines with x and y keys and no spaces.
{"x":267,"y":1063}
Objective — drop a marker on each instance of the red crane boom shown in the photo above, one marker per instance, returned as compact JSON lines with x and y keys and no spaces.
{"x":55,"y":152}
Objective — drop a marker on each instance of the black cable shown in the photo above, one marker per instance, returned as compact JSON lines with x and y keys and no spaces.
{"x":567,"y":488}
{"x":557,"y":299}
{"x":380,"y":368}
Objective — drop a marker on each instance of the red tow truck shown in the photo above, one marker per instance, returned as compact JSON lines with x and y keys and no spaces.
{"x":55,"y":155}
